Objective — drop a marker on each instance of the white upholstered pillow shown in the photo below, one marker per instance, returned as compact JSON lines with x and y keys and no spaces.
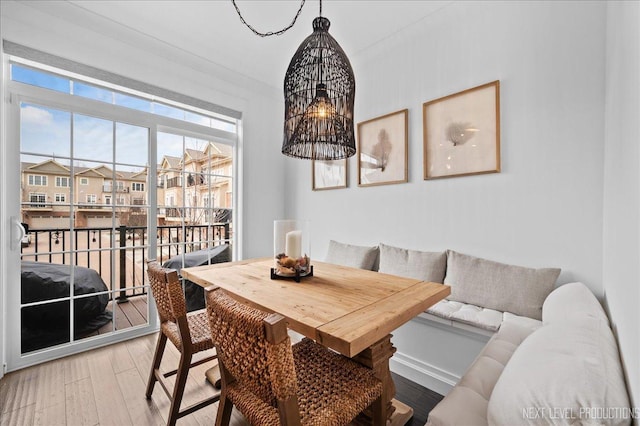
{"x":494,"y":285}
{"x":562,"y":374}
{"x":354,"y":256}
{"x":583,"y":304}
{"x":421,"y":265}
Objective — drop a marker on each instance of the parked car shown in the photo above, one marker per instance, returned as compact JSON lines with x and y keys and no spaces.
{"x":26,"y":240}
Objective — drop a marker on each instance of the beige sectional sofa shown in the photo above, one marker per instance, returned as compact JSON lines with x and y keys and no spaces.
{"x":552,"y":357}
{"x":566,"y":370}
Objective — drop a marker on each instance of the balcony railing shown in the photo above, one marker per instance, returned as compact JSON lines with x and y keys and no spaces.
{"x":93,"y":206}
{"x":174,"y":182}
{"x":109,"y":188}
{"x":119,"y":255}
{"x":220,"y":215}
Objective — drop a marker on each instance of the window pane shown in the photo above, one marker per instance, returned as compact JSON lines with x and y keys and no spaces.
{"x":45,"y":325}
{"x":92,"y":138}
{"x":44,"y":130}
{"x":192,"y":117}
{"x":133,"y":102}
{"x":223,"y":125}
{"x":91,"y":181}
{"x":39,"y":78}
{"x":132,"y":144}
{"x":92,"y":92}
{"x":170,"y":146}
{"x":168,"y":111}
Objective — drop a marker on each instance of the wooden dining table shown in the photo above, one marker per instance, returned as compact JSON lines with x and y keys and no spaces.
{"x":349,"y":310}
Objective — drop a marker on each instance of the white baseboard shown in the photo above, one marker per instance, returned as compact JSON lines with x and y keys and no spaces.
{"x":425,"y":374}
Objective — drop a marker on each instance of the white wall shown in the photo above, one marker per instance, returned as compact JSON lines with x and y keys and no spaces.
{"x":621,"y":267}
{"x":545,"y":207}
{"x":52,"y":28}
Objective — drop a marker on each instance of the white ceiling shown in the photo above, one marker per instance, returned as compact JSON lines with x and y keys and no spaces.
{"x":211,"y":30}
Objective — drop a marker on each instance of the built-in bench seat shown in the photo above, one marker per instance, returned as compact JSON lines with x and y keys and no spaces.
{"x":488,"y":349}
{"x":562,"y":370}
{"x":483,"y":294}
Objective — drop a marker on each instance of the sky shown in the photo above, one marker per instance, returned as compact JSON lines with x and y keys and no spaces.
{"x":47,"y":132}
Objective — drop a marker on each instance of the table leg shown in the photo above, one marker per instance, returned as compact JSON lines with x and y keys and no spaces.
{"x":213,"y":375}
{"x":376,"y":357}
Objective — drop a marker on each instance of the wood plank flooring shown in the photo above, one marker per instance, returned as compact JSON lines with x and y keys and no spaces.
{"x":106,"y":386}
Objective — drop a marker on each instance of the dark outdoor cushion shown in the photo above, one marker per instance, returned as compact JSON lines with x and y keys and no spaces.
{"x":194,"y":294}
{"x":48,"y":324}
{"x":46,"y":281}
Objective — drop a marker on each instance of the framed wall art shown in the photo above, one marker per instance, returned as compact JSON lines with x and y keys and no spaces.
{"x":328,"y":174}
{"x":382,"y":149}
{"x":462,"y":133}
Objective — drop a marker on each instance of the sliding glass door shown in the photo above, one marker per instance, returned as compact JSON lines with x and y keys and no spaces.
{"x":85,"y":211}
{"x":94,"y":191}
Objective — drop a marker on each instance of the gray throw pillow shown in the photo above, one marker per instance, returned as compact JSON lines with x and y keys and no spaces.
{"x":499,"y":286}
{"x":421,"y":265}
{"x":354,"y":256}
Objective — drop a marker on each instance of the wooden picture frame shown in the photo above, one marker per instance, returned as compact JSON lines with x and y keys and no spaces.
{"x":462,"y":133}
{"x":329,"y":174}
{"x":382,"y":149}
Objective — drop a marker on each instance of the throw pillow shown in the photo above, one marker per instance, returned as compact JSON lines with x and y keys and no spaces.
{"x":354,"y":256}
{"x":422,"y":265}
{"x":499,"y":286}
{"x":582,"y":301}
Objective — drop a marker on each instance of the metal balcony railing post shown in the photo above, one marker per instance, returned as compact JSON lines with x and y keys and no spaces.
{"x":122,"y":298}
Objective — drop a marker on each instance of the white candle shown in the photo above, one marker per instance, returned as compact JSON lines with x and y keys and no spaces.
{"x":293,"y":244}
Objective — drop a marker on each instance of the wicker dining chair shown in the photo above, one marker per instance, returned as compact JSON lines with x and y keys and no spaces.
{"x":189,"y":332}
{"x":273,"y":383}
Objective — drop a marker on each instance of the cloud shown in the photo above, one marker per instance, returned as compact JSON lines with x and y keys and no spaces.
{"x":34,"y":115}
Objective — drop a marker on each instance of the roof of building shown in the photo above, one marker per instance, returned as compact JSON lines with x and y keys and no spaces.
{"x":53,"y":167}
{"x":173,"y":162}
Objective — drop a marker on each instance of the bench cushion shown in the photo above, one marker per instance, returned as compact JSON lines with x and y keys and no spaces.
{"x":421,"y":265}
{"x":353,"y":256}
{"x":487,"y":319}
{"x":499,"y":286}
{"x":468,"y":401}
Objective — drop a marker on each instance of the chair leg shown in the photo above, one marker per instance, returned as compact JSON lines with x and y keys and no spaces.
{"x":157,"y":358}
{"x":225,"y":406}
{"x":178,"y":390}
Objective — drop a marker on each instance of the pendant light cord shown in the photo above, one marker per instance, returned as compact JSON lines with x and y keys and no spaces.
{"x":271,"y":33}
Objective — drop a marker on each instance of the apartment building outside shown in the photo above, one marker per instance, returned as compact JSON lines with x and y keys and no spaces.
{"x":195,"y":188}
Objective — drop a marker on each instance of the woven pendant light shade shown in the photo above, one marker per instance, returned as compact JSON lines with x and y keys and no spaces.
{"x":319,"y":91}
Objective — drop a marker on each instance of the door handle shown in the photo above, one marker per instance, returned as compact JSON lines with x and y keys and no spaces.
{"x":16,"y":241}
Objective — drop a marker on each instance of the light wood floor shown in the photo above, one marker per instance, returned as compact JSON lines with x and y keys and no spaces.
{"x":105,"y":386}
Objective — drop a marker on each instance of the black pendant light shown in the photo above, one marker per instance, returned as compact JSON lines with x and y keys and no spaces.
{"x":319,"y":92}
